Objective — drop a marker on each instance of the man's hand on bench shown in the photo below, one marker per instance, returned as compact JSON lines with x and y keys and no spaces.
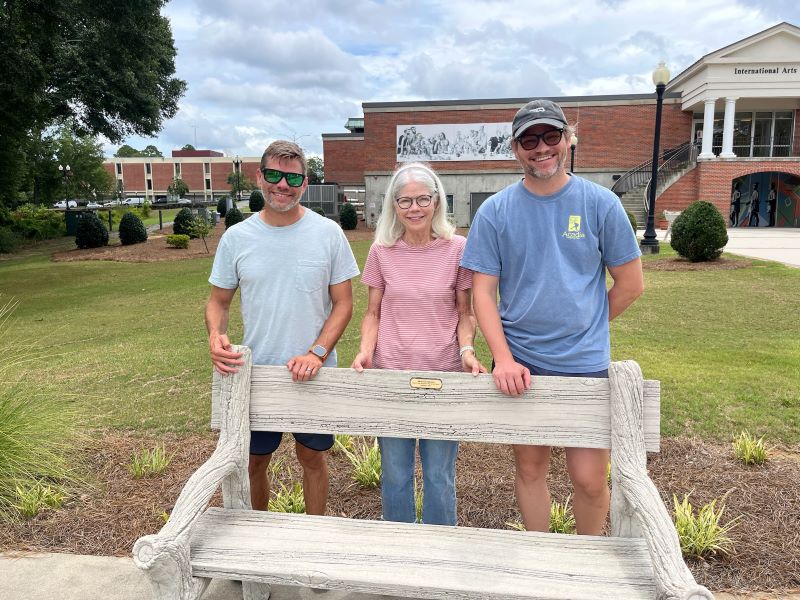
{"x":304,"y":367}
{"x":224,"y":359}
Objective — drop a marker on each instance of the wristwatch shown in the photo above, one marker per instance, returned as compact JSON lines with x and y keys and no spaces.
{"x":319,"y":351}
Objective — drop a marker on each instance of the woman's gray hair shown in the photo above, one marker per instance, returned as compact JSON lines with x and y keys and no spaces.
{"x":389,"y":229}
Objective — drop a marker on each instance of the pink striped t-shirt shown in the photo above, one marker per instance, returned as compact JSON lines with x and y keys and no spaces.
{"x":417,"y":327}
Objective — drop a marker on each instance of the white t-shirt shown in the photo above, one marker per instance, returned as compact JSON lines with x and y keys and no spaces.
{"x":283,"y":274}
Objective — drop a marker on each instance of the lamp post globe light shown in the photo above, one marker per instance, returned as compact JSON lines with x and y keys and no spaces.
{"x":573,"y":141}
{"x":66,"y":173}
{"x":649,"y":244}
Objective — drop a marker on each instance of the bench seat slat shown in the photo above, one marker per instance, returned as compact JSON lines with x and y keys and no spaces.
{"x":421,"y":561}
{"x":557,"y":411}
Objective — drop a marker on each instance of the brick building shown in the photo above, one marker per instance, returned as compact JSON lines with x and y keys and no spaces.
{"x":729,"y":135}
{"x":204,"y":171}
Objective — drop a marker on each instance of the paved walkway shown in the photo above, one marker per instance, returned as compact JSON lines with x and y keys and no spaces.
{"x":74,"y":577}
{"x":781,"y":245}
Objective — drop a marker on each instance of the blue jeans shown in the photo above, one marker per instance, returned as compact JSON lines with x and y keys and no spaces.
{"x":438,"y":480}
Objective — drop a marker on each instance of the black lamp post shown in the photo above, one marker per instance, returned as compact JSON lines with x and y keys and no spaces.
{"x":649,"y":244}
{"x":237,"y":163}
{"x":66,"y":173}
{"x":573,"y":141}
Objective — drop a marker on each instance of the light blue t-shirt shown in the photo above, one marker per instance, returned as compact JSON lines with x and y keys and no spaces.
{"x":550,"y":254}
{"x":283,"y":275}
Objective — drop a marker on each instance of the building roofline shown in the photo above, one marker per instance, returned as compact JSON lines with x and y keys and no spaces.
{"x":510,"y":101}
{"x":349,"y":136}
{"x":687,"y":72}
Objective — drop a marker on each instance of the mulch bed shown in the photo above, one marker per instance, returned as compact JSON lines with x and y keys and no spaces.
{"x":107,"y":517}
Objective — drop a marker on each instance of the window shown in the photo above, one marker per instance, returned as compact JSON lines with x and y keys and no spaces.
{"x":207,"y":168}
{"x":177,"y":169}
{"x":119,"y":168}
{"x":148,"y":168}
{"x":149,"y":184}
{"x":208,"y":183}
{"x":449,"y":204}
{"x":760,"y":133}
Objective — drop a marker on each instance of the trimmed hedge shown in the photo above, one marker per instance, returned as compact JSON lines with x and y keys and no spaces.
{"x":348,"y":218}
{"x":178,"y":240}
{"x":256,"y":202}
{"x":91,"y":232}
{"x":632,"y":219}
{"x":182,"y":223}
{"x":131,"y":230}
{"x":233,"y":217}
{"x":222,"y":207}
{"x":699,"y":232}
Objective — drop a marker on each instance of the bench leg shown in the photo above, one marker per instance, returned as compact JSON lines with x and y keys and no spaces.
{"x":166,"y":565}
{"x":252,"y":590}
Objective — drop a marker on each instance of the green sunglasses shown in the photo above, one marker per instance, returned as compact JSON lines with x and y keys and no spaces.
{"x":274,"y":176}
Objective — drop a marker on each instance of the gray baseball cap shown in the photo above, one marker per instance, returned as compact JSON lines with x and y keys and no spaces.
{"x":536,"y":112}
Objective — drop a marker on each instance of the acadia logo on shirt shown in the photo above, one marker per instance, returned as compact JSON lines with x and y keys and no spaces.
{"x":573,"y":231}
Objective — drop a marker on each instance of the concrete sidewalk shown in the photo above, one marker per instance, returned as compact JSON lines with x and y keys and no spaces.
{"x":781,"y":245}
{"x":75,"y":577}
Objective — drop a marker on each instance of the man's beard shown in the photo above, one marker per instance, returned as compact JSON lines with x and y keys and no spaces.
{"x":531,"y":170}
{"x":282,"y":207}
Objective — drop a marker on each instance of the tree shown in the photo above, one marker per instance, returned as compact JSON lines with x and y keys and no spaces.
{"x":104,"y":66}
{"x":126,"y":151}
{"x":178,"y":188}
{"x":42,"y":181}
{"x":188,"y":147}
{"x":316,"y":170}
{"x":239,"y":182}
{"x":151,"y":150}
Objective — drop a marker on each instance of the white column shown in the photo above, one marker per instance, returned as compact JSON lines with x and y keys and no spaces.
{"x":708,"y":130}
{"x":727,"y":129}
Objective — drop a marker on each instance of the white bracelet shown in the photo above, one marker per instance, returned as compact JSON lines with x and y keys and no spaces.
{"x":465,"y":349}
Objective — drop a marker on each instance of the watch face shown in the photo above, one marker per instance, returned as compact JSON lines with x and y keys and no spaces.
{"x":319,"y":350}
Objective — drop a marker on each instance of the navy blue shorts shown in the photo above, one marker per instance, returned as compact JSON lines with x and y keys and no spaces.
{"x":266,"y":442}
{"x":548,"y":373}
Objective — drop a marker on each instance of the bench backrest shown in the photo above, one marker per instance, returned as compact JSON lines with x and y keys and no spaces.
{"x":556,"y":411}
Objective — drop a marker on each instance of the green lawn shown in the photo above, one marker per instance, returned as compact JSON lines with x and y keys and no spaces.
{"x":126,"y":343}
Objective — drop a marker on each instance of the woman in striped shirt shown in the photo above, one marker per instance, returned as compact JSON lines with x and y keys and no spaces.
{"x":419,"y":317}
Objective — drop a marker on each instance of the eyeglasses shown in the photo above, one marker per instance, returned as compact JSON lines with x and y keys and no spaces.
{"x":275,"y":176}
{"x":405,"y":202}
{"x":531,"y":140}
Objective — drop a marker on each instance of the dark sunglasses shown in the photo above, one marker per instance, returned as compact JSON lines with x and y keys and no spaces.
{"x":275,"y":176}
{"x":530,"y":140}
{"x":405,"y":202}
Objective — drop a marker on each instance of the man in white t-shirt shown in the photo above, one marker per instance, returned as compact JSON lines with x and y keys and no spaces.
{"x":293,"y":268}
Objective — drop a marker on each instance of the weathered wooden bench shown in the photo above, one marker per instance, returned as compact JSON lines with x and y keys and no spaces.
{"x":670,"y":216}
{"x":641,"y":559}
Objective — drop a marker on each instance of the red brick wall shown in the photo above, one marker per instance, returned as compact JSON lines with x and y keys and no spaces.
{"x":609,"y":137}
{"x":133,"y":175}
{"x":162,"y":176}
{"x":192,"y":175}
{"x":680,"y":194}
{"x":345,"y":161}
{"x":712,"y":181}
{"x":219,"y":176}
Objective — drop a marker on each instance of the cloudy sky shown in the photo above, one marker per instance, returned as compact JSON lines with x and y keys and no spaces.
{"x":259,"y":70}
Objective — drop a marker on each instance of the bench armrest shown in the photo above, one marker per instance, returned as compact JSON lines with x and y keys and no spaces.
{"x":637,"y":508}
{"x":166,"y":554}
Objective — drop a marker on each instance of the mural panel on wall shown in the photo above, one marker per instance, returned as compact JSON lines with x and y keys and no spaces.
{"x":769,"y":199}
{"x":448,"y":142}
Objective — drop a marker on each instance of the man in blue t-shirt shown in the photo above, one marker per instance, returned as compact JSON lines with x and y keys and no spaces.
{"x":547,"y":242}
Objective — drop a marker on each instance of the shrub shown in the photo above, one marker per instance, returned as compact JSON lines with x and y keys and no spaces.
{"x":366,"y":461}
{"x":288,"y":499}
{"x":178,"y":240}
{"x":233,"y":217}
{"x":319,"y":211}
{"x":348,"y":218}
{"x":33,"y":497}
{"x":699,"y":233}
{"x":37,"y":223}
{"x":256,"y":202}
{"x":562,"y":519}
{"x":149,"y":462}
{"x":9,"y":240}
{"x":202,"y":228}
{"x":702,"y":534}
{"x":131,"y":230}
{"x":222,"y":207}
{"x":91,"y":232}
{"x":749,"y":450}
{"x":182,"y":223}
{"x":632,"y":219}
{"x":144,"y":210}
